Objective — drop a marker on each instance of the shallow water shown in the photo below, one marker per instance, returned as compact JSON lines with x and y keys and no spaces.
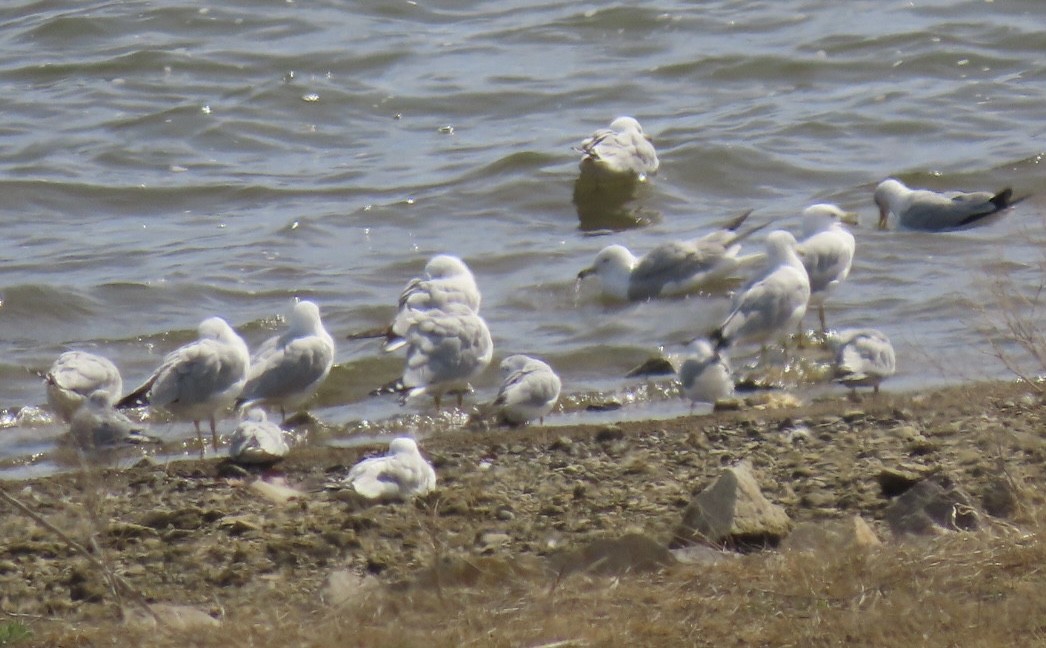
{"x":162,"y":164}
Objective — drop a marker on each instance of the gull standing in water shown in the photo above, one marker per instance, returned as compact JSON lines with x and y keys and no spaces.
{"x":288,"y":369}
{"x":827,"y":251}
{"x":446,"y":348}
{"x":773,"y":304}
{"x":401,"y":474}
{"x":96,"y":424}
{"x":622,"y":150}
{"x":529,"y":390}
{"x":921,"y":209}
{"x":74,"y":376}
{"x":705,"y":374}
{"x":864,"y":358}
{"x":677,"y":267}
{"x":198,"y":380}
{"x":257,"y":440}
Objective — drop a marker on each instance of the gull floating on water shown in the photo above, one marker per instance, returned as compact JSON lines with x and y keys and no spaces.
{"x":773,"y":304}
{"x":621,"y":150}
{"x":827,"y":251}
{"x":401,"y":474}
{"x":198,"y":380}
{"x":257,"y":440}
{"x":921,"y":209}
{"x":96,"y":424}
{"x":445,"y":350}
{"x":529,"y":390}
{"x":288,"y":369}
{"x":673,"y":268}
{"x":705,"y":374}
{"x":864,"y":358}
{"x":74,"y":376}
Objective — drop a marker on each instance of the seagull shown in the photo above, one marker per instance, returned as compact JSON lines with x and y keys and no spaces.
{"x":921,"y":209}
{"x":621,"y":150}
{"x":445,"y":350}
{"x":401,"y":474}
{"x":705,"y":375}
{"x":97,"y":424}
{"x":529,"y":390}
{"x":827,"y":251}
{"x":198,"y":380}
{"x":74,"y":376}
{"x":774,"y":303}
{"x":864,"y":358}
{"x":257,"y":440}
{"x":673,"y":268}
{"x":288,"y":369}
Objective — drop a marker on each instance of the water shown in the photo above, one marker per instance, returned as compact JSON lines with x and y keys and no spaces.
{"x":164,"y":163}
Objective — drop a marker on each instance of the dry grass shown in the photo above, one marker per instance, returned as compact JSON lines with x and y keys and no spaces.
{"x":971,"y":589}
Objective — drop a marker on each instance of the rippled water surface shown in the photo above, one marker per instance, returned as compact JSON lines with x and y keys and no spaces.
{"x":162,"y":163}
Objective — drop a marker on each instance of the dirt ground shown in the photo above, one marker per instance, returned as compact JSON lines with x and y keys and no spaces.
{"x":262,"y":549}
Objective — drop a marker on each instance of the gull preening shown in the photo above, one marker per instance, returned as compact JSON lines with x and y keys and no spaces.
{"x":673,"y":268}
{"x":198,"y":380}
{"x":864,"y":358}
{"x":288,"y":369}
{"x":401,"y":474}
{"x":96,"y":424}
{"x":773,"y":304}
{"x":622,"y":150}
{"x":705,"y":375}
{"x":529,"y":390}
{"x":446,"y":280}
{"x":75,"y":376}
{"x":446,"y":348}
{"x":257,"y":440}
{"x":827,"y":251}
{"x":922,"y":209}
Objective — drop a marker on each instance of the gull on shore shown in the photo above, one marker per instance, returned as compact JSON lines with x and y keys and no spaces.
{"x":922,"y":209}
{"x":705,"y":375}
{"x":288,"y":369}
{"x":529,"y":390}
{"x":401,"y":474}
{"x":827,"y":251}
{"x":622,"y":150}
{"x":198,"y":380}
{"x":75,"y":376}
{"x":774,"y":303}
{"x":446,"y":348}
{"x":864,"y":358}
{"x":96,"y":424}
{"x":257,"y":440}
{"x":673,"y":268}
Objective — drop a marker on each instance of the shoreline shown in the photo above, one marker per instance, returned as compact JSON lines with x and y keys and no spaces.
{"x":198,"y":533}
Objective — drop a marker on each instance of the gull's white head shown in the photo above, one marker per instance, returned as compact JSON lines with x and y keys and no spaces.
{"x":443,"y":266}
{"x":819,"y":217}
{"x":624,"y":124}
{"x":513,"y":363}
{"x":613,"y":266}
{"x":254,"y":415}
{"x":214,"y":328}
{"x":304,"y":318}
{"x":888,"y":196}
{"x":780,"y":247}
{"x":99,"y":400}
{"x":403,"y":446}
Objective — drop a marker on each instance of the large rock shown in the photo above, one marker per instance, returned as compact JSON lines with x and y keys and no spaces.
{"x":931,"y":507}
{"x":832,"y":535}
{"x":733,"y":512}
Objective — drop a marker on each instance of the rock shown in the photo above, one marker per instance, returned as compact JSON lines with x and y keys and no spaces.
{"x":610,"y":433}
{"x":895,"y":481}
{"x":733,"y":512}
{"x":655,"y":366}
{"x":489,"y":541}
{"x":473,"y":571}
{"x":174,"y":617}
{"x":931,"y":507}
{"x":344,"y":586}
{"x":999,"y":499}
{"x":821,"y":537}
{"x":631,"y":553}
{"x":275,"y":492}
{"x":701,"y":555}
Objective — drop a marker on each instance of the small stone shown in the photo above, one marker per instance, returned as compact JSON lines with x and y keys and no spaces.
{"x":344,"y":586}
{"x":833,"y":535}
{"x":489,"y":541}
{"x":895,"y":481}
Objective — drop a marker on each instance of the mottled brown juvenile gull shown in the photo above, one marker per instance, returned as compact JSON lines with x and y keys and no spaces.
{"x":198,"y":380}
{"x":401,"y":474}
{"x":529,"y":390}
{"x":922,"y":209}
{"x":621,"y":150}
{"x":288,"y":369}
{"x":74,"y":376}
{"x":864,"y":358}
{"x":827,"y":251}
